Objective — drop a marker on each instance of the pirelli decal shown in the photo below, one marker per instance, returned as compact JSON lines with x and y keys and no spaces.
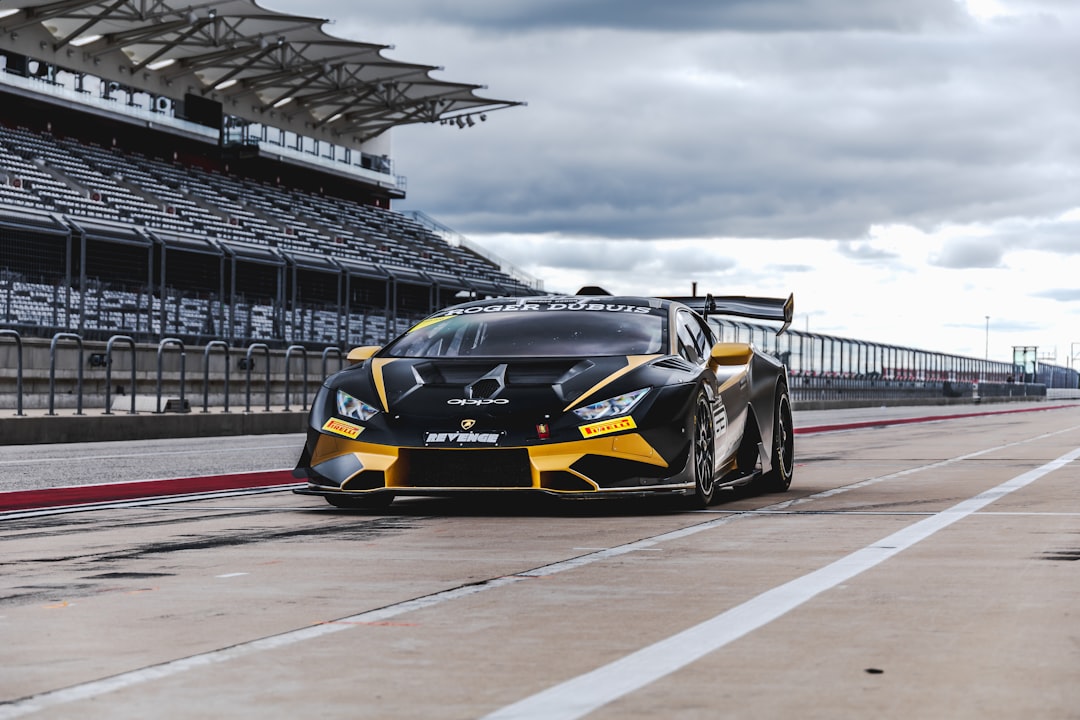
{"x":340,"y":427}
{"x":607,"y":426}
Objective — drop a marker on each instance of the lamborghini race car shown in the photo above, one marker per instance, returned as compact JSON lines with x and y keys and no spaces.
{"x":583,"y":396}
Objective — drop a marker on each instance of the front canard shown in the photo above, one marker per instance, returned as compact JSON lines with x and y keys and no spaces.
{"x":340,"y":427}
{"x":607,"y":426}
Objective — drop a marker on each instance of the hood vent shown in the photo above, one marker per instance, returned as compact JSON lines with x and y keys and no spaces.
{"x":488,"y":386}
{"x":518,"y":373}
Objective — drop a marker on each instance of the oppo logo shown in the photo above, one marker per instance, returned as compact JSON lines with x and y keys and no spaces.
{"x":478,"y":401}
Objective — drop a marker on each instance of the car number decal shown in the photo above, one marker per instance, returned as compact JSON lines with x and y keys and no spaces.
{"x":607,"y":426}
{"x":340,"y":427}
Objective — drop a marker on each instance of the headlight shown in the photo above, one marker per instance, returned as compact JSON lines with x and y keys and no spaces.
{"x":611,"y":407}
{"x":348,"y":406}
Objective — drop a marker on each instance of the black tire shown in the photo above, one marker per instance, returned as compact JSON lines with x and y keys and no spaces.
{"x":703,"y":455}
{"x":381,"y":500}
{"x":778,"y":479}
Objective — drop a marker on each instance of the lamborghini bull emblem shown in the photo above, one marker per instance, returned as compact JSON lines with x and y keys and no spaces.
{"x":468,"y":424}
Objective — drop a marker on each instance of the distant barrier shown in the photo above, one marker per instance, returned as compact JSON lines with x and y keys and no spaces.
{"x":835,"y":391}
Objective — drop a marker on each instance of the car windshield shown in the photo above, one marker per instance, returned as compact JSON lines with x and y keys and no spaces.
{"x":543,"y":333}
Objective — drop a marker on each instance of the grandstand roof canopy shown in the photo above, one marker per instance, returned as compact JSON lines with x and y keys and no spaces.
{"x":264,"y":66}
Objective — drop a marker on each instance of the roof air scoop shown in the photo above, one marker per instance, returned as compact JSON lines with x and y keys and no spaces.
{"x":488,"y":386}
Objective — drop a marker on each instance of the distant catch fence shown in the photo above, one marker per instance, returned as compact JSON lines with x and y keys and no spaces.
{"x":832,"y":368}
{"x":825,"y":392}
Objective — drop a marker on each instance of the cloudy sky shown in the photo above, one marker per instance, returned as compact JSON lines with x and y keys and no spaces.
{"x":907,"y":169}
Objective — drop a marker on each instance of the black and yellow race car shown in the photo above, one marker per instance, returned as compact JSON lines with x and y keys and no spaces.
{"x":579,"y":397}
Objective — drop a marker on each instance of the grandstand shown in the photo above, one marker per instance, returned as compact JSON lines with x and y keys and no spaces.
{"x":217,"y":172}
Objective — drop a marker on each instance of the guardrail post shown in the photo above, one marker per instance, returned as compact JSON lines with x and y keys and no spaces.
{"x":206,"y":373}
{"x":52,"y":372}
{"x":108,"y":371}
{"x":288,"y":363}
{"x":266,"y":354}
{"x":19,"y":368}
{"x":331,"y":350}
{"x":183,"y":359}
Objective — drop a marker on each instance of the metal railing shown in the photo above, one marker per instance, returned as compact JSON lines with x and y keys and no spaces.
{"x":206,"y":373}
{"x":18,"y":368}
{"x":160,"y":364}
{"x":297,"y":375}
{"x":52,"y":371}
{"x":249,"y":366}
{"x":805,"y":388}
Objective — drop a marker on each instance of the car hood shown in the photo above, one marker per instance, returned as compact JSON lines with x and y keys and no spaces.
{"x":437,"y":387}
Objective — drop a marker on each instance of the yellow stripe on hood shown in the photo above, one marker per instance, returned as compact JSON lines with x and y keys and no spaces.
{"x":377,"y":365}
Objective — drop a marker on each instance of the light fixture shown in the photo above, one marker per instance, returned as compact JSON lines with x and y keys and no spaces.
{"x":161,"y":64}
{"x":85,"y":40}
{"x":283,"y":102}
{"x":334,"y":118}
{"x":226,"y":84}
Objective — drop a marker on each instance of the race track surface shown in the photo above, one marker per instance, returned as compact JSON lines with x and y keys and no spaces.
{"x":915,"y":570}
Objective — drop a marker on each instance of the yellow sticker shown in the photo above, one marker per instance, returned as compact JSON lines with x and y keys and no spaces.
{"x":430,"y":321}
{"x":608,"y":426}
{"x":340,"y":427}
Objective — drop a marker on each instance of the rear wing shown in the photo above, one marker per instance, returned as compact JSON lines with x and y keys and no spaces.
{"x":777,"y":309}
{"x":760,"y":308}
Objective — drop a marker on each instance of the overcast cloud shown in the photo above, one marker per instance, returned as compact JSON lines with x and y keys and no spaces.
{"x":906,"y":168}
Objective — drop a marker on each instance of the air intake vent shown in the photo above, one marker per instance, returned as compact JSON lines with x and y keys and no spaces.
{"x":674,"y":362}
{"x":485,"y":388}
{"x":488,"y":386}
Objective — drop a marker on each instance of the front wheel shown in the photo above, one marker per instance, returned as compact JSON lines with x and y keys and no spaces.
{"x":778,"y":479}
{"x":704,"y":455}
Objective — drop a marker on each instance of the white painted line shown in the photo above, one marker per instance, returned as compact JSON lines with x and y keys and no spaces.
{"x":96,"y":688}
{"x":910,"y":471}
{"x":580,"y":696}
{"x":231,"y":575}
{"x":36,"y":703}
{"x":1033,"y":514}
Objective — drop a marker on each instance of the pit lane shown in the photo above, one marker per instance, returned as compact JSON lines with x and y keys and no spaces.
{"x":278,"y":605}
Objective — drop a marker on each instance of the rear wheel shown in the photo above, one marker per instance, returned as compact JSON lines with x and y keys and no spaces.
{"x":704,"y":455}
{"x":380,"y":500}
{"x":778,"y":479}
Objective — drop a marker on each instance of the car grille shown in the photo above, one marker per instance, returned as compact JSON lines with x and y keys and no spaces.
{"x":467,"y":468}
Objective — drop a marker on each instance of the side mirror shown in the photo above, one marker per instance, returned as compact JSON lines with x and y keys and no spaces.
{"x":730,"y":354}
{"x":360,"y":354}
